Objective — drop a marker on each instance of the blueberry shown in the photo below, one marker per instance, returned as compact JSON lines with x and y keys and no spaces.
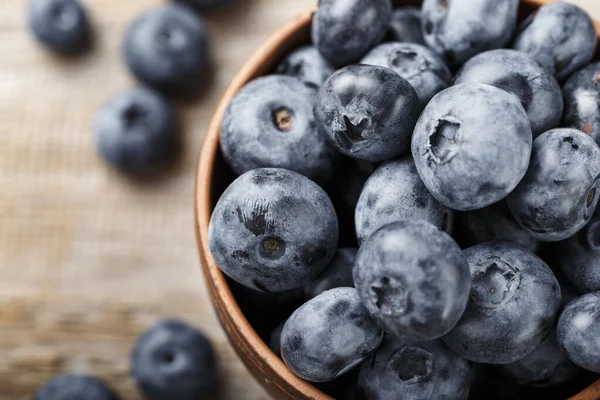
{"x":423,"y":371}
{"x":272,"y":230}
{"x":367,"y":112}
{"x":405,"y":25}
{"x":513,"y":304}
{"x":582,"y":96}
{"x":173,"y":360}
{"x":396,"y":192}
{"x":270,"y":123}
{"x":337,"y":274}
{"x":167,"y":48}
{"x":472,"y":145}
{"x":306,"y":64}
{"x":275,"y":339}
{"x":420,"y":66}
{"x":413,"y":279}
{"x":519,"y":74}
{"x":344,"y":31}
{"x":559,"y":36}
{"x":558,"y":195}
{"x":137,"y":131}
{"x":460,"y":29}
{"x":577,"y":331}
{"x":69,"y":387}
{"x":61,"y":25}
{"x":329,"y":335}
{"x":205,"y":4}
{"x":496,"y":223}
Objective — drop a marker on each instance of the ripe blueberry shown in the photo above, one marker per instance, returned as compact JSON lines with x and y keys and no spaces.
{"x":69,"y":387}
{"x":582,"y":96}
{"x":405,"y":25}
{"x":337,"y":274}
{"x":306,"y":64}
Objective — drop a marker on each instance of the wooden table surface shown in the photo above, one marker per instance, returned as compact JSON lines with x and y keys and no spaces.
{"x":89,"y":259}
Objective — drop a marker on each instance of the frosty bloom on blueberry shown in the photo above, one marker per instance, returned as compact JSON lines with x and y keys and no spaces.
{"x":582,"y":99}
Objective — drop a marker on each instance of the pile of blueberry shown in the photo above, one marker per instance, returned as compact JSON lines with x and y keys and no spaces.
{"x":416,"y":201}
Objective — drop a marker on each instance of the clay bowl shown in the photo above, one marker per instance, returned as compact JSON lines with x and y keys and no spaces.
{"x":212,"y":179}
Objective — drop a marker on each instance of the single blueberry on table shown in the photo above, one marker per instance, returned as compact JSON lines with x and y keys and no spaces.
{"x":337,"y":274}
{"x":421,"y":67}
{"x":512,"y":308}
{"x":519,"y":74}
{"x":423,"y":371}
{"x":405,"y":25}
{"x":344,"y":30}
{"x":173,"y":360}
{"x":582,"y":98}
{"x":61,"y":25}
{"x":69,"y":387}
{"x":472,"y":145}
{"x":270,"y":123}
{"x":367,"y":112}
{"x":272,"y":230}
{"x":137,"y":131}
{"x":396,"y":192}
{"x":306,"y":64}
{"x":560,"y":36}
{"x":167,"y":48}
{"x":413,"y":279}
{"x":560,"y":191}
{"x":329,"y":335}
{"x":461,"y":29}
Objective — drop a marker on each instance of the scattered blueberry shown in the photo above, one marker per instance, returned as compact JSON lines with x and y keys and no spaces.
{"x":344,"y":31}
{"x":61,"y":25}
{"x":173,"y":360}
{"x":461,"y":29}
{"x":367,"y":112}
{"x":560,"y":37}
{"x":167,"y":48}
{"x":137,"y":131}
{"x":519,"y":74}
{"x":329,"y":335}
{"x":405,"y":25}
{"x":270,"y":123}
{"x":337,"y":274}
{"x":273,"y":229}
{"x":559,"y":194}
{"x":582,"y":96}
{"x":577,"y":331}
{"x":513,"y":305}
{"x":396,"y":192}
{"x":275,"y":339}
{"x":428,"y":370}
{"x":421,"y":67}
{"x":472,"y":145}
{"x":413,"y":279}
{"x":70,"y":387}
{"x":306,"y":64}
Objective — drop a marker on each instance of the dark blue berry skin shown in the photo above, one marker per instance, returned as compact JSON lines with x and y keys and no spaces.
{"x":329,"y":335}
{"x":472,"y":145}
{"x":423,"y":371}
{"x":560,"y":191}
{"x":306,"y":64}
{"x":577,"y":331}
{"x":367,"y":112}
{"x":396,"y":192}
{"x":344,"y":32}
{"x":273,"y":229}
{"x":173,"y":360}
{"x":413,"y":279}
{"x":270,"y":124}
{"x":61,"y":25}
{"x":420,"y":66}
{"x":519,"y":74}
{"x":69,"y":387}
{"x":495,"y":223}
{"x":203,"y":5}
{"x":512,"y":308}
{"x":167,"y":48}
{"x":275,"y":339}
{"x":337,"y":274}
{"x":561,"y":37}
{"x":405,"y":25}
{"x":582,"y":97}
{"x":137,"y":131}
{"x":461,"y":29}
